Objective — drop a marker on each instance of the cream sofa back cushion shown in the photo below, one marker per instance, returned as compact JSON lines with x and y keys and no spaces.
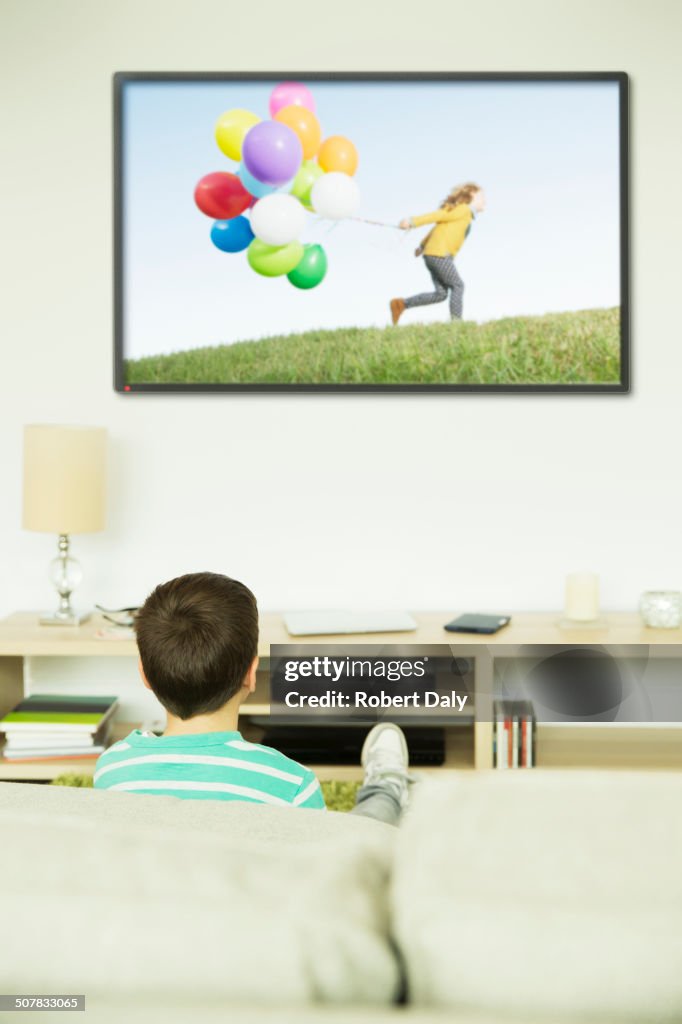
{"x":116,"y":908}
{"x":533,"y":893}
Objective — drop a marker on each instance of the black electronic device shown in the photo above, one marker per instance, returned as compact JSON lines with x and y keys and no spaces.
{"x":343,"y":745}
{"x":478,"y":624}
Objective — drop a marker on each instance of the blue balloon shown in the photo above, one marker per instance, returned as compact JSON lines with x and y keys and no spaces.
{"x":233,"y":235}
{"x":253,"y":185}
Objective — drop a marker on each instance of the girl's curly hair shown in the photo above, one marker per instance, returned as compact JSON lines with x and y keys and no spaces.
{"x":460,"y":194}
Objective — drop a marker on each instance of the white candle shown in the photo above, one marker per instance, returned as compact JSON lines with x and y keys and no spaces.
{"x":582,"y":596}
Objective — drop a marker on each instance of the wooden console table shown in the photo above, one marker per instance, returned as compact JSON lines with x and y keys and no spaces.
{"x":28,"y":652}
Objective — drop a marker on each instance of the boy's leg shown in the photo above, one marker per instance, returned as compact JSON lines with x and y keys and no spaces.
{"x":378,"y":802}
{"x":384,"y":792}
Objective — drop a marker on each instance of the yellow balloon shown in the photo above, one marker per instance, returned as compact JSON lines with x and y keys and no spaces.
{"x":230,"y":130}
{"x":337,"y":153}
{"x":305,"y":124}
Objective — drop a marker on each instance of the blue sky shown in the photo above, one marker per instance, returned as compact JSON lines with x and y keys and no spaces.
{"x":546,"y":154}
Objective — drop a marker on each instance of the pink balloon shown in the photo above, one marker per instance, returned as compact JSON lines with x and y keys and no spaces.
{"x":289,"y":94}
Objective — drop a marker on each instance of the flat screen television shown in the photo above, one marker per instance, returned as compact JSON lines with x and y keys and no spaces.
{"x":371,"y":232}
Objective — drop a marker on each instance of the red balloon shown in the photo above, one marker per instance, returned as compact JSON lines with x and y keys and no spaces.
{"x":221,"y":196}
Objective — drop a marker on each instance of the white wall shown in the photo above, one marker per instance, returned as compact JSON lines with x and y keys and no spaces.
{"x":446,"y":501}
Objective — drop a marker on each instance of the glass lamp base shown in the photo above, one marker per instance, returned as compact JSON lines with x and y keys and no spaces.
{"x":65,"y":574}
{"x":73,"y":618}
{"x":579,"y":624}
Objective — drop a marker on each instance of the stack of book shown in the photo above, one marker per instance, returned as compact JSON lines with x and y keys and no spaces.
{"x":513,"y":734}
{"x":54,"y":727}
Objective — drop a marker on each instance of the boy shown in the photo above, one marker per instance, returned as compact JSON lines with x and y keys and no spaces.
{"x":198,"y":639}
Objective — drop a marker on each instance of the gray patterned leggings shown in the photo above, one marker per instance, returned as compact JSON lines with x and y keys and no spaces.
{"x":445,"y":279}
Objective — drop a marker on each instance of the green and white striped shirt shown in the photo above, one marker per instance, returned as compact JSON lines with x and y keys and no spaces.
{"x":206,"y":766}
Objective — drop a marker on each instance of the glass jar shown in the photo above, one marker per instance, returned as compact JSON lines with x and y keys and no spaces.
{"x":661,"y":609}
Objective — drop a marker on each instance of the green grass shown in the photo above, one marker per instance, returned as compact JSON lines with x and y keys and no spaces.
{"x":558,"y":348}
{"x":339,"y":796}
{"x":73,"y":779}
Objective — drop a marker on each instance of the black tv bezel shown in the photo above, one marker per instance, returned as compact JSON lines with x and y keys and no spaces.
{"x":623,"y":386}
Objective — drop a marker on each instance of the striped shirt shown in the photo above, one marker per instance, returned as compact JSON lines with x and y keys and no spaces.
{"x":206,"y":766}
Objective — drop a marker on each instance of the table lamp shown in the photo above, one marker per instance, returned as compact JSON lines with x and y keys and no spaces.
{"x":64,"y":493}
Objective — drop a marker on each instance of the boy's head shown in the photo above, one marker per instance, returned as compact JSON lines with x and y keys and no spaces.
{"x":198,"y":638}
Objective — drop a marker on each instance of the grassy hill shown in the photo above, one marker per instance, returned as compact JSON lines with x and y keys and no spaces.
{"x":559,"y":348}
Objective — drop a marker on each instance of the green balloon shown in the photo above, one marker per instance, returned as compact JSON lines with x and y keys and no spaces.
{"x":311,"y":269}
{"x":273,"y":260}
{"x":308,"y":174}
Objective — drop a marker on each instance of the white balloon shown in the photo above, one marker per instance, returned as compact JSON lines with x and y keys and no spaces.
{"x":277,"y":219}
{"x":335,"y":195}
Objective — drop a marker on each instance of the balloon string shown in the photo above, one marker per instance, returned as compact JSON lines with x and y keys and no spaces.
{"x":362,"y":220}
{"x":376,"y":223}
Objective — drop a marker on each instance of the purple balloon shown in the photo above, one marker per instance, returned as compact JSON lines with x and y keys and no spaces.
{"x":272,"y":152}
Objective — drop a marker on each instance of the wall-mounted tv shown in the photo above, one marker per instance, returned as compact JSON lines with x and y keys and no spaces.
{"x":371,"y":232}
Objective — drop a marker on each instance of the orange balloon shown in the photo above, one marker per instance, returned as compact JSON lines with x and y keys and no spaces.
{"x":305,"y":124}
{"x":338,"y":154}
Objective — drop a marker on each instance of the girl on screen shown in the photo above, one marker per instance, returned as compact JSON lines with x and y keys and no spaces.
{"x":452,"y":223}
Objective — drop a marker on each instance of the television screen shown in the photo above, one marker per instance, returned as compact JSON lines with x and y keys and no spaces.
{"x":440,"y":232}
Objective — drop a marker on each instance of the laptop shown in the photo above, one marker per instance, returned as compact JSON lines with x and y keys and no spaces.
{"x":328,"y":623}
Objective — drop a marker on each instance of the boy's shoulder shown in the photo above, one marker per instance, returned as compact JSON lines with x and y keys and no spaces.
{"x":224,"y":762}
{"x":137,"y":741}
{"x":272,"y":753}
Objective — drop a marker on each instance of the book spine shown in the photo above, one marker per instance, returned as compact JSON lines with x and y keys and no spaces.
{"x":501,"y":744}
{"x":515,"y":741}
{"x":530,"y":760}
{"x":91,"y":755}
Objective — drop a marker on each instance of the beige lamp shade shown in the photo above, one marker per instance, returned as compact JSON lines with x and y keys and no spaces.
{"x":64,"y":478}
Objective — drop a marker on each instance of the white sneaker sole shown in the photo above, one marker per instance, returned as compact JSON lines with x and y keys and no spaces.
{"x":372,"y":736}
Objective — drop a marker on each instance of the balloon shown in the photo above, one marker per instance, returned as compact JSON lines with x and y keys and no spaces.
{"x":338,"y":154}
{"x":304,"y":123}
{"x":312,"y":268}
{"x":288,"y":94}
{"x":273,"y":260}
{"x":272,"y":152}
{"x":278,"y":219}
{"x":258,"y":189}
{"x":221,"y":195}
{"x":232,"y":235}
{"x":335,"y":196}
{"x":230,"y":130}
{"x":308,"y":174}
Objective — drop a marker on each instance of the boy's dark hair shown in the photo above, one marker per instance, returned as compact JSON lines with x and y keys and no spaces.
{"x":197,"y":636}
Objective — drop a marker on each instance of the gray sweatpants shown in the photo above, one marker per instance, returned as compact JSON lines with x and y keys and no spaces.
{"x":445,"y":279}
{"x":378,"y":802}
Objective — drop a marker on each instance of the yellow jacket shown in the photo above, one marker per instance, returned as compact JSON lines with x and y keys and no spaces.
{"x":446,"y":238}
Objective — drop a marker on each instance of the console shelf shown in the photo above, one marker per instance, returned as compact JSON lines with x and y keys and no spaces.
{"x":36,"y":658}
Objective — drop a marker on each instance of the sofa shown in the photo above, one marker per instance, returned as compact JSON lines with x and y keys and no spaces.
{"x":531,"y":896}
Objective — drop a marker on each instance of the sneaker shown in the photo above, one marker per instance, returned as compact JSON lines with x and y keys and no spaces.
{"x":386,"y":759}
{"x":397,"y":309}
